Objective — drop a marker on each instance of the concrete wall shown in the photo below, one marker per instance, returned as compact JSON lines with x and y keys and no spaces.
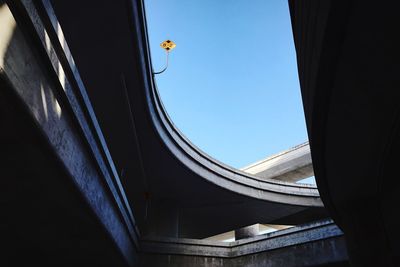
{"x":320,"y":253}
{"x":316,"y":244}
{"x":49,"y":124}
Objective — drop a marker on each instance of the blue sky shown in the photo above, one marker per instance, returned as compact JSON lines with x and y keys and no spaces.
{"x":232,"y":85}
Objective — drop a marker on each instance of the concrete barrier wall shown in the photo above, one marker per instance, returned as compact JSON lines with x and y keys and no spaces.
{"x":315,"y":244}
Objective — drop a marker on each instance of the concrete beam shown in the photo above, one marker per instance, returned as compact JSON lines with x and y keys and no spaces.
{"x":290,"y":165}
{"x":308,"y":245}
{"x":44,"y":80}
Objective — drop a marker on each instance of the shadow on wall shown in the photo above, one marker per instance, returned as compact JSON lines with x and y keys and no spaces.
{"x":43,"y":216}
{"x":40,"y":95}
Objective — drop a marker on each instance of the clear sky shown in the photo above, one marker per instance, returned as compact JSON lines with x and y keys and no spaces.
{"x":232,"y":85}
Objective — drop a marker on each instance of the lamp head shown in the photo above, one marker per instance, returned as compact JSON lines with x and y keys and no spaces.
{"x":168,"y":45}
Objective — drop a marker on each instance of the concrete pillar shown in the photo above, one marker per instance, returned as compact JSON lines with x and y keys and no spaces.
{"x":163,"y":219}
{"x":246,"y":232}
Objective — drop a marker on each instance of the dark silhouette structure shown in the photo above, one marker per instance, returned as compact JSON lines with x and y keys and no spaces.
{"x":348,"y":60}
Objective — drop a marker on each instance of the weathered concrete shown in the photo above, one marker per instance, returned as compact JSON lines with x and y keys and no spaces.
{"x":320,"y":253}
{"x":290,"y":165}
{"x":315,"y":244}
{"x":37,"y":76}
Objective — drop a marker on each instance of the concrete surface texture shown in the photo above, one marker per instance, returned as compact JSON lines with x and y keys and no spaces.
{"x":316,"y":244}
{"x":47,"y":162}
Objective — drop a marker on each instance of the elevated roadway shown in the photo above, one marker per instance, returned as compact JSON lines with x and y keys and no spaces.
{"x":174,"y":188}
{"x":291,"y":165}
{"x":91,"y":153}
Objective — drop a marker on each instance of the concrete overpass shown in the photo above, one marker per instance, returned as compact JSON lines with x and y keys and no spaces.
{"x":186,"y":181}
{"x":291,"y":165}
{"x":93,"y":165}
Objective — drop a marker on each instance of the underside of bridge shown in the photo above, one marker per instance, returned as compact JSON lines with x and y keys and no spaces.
{"x":93,"y":172}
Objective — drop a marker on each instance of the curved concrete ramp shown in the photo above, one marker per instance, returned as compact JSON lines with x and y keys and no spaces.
{"x":291,"y":165}
{"x":93,"y":163}
{"x":174,"y":188}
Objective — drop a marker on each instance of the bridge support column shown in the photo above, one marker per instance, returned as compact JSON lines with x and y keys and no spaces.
{"x":163,"y":219}
{"x":246,"y":232}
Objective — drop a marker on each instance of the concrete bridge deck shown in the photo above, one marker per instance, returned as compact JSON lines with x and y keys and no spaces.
{"x":184,"y":184}
{"x":92,"y":155}
{"x":291,"y":165}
